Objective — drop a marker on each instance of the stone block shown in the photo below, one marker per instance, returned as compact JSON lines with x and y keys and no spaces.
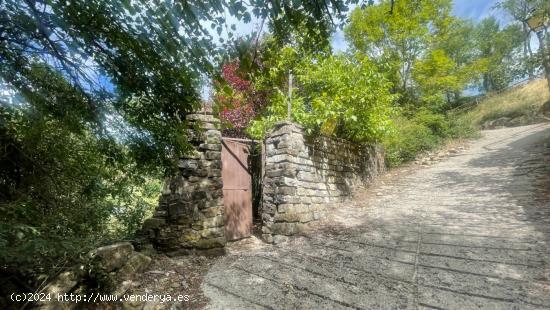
{"x":210,"y":147}
{"x":188,"y":164}
{"x":213,"y":155}
{"x":212,"y":212}
{"x":210,"y":243}
{"x":153,"y":223}
{"x":288,"y":229}
{"x":212,"y":232}
{"x":267,"y":238}
{"x":113,"y":256}
{"x":190,"y":236}
{"x":216,"y":221}
{"x":161,"y":213}
{"x":137,"y":263}
{"x":62,"y":284}
{"x":286,"y":190}
{"x":292,"y":208}
{"x":213,"y":173}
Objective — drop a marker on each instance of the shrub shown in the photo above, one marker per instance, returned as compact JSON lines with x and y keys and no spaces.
{"x":60,"y":195}
{"x":423,"y":131}
{"x":337,"y":95}
{"x":407,"y":140}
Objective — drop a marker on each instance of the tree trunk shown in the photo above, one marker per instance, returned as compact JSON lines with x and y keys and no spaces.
{"x":486,"y":83}
{"x":545,"y":56}
{"x":527,"y":50}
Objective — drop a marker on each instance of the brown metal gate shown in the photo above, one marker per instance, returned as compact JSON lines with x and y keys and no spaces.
{"x":237,"y":189}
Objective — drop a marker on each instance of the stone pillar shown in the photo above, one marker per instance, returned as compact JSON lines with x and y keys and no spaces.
{"x":190,"y":212}
{"x":283,"y":211}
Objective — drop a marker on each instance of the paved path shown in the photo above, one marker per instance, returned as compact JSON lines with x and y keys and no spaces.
{"x":469,"y":232}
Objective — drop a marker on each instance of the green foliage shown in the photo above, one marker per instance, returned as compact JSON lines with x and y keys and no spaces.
{"x":497,"y":46}
{"x":423,"y":131}
{"x":335,"y":95}
{"x":103,"y":88}
{"x":397,"y":40}
{"x":430,"y":57}
{"x":521,"y":11}
{"x":407,"y":140}
{"x":451,"y":63}
{"x":60,"y":194}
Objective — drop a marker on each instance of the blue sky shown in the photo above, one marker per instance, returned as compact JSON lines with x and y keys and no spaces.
{"x":474,"y":9}
{"x":467,"y":9}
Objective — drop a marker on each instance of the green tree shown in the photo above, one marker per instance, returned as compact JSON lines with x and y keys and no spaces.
{"x":451,"y":63}
{"x":521,"y":11}
{"x":399,"y":39}
{"x":499,"y":47}
{"x":340,"y":95}
{"x":104,"y":88}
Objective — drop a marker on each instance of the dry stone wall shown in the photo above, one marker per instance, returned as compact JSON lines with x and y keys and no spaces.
{"x":305,"y":176}
{"x":190,"y":212}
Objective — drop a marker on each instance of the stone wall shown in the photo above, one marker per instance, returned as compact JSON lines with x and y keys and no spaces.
{"x":111,"y":266}
{"x":190,"y":211}
{"x":305,"y":176}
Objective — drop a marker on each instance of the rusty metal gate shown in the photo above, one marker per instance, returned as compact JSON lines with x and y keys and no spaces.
{"x":237,"y":188}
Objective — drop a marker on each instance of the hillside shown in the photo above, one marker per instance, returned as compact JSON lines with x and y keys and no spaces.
{"x":514,"y":107}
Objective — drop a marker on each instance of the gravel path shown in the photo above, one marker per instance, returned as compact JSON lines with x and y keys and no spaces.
{"x":471,"y":231}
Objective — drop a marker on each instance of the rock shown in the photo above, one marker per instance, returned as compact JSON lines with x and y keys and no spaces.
{"x":153,"y":223}
{"x":133,"y":305}
{"x":500,"y":122}
{"x":125,"y":286}
{"x":148,"y":249}
{"x":152,"y":305}
{"x":277,"y":239}
{"x":210,"y":243}
{"x":113,"y":256}
{"x":135,"y":264}
{"x":63,"y":283}
{"x":288,"y":229}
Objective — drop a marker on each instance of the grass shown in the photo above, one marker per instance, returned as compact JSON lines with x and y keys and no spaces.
{"x":524,"y":100}
{"x":427,"y":131}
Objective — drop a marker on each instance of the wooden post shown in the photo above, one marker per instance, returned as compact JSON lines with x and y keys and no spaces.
{"x":289,"y":95}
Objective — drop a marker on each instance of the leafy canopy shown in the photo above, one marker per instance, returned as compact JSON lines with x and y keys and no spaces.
{"x":335,"y":95}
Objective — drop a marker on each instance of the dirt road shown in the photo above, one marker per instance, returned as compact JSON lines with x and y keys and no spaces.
{"x":471,"y":231}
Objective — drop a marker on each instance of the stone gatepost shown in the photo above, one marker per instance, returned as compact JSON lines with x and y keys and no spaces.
{"x":305,"y":176}
{"x":190,"y":212}
{"x":284,"y":211}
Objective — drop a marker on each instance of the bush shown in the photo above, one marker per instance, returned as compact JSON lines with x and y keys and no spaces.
{"x":60,"y":195}
{"x":407,"y":140}
{"x":422,"y":132}
{"x":340,"y":95}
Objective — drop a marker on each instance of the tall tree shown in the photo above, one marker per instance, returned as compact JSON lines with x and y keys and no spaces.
{"x":521,"y":10}
{"x":104,"y":88}
{"x":398,"y":39}
{"x":451,"y":63}
{"x":150,"y":56}
{"x":498,"y":46}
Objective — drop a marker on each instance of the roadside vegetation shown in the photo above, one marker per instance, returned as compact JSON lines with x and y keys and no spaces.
{"x":521,"y":102}
{"x":397,"y":85}
{"x":98,"y":92}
